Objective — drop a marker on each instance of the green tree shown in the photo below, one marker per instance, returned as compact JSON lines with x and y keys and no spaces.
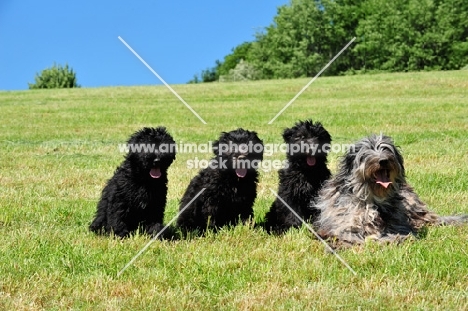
{"x":399,"y":35}
{"x":194,"y":80}
{"x":405,"y":35}
{"x":393,"y":34}
{"x":452,"y":23}
{"x":239,"y":53}
{"x":207,"y":75}
{"x":304,"y":36}
{"x":230,"y":62}
{"x":55,"y":77}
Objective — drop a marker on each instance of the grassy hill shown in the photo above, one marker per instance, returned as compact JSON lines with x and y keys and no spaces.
{"x":59,"y":147}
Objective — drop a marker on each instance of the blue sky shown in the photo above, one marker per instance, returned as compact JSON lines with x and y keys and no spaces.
{"x":177,"y":38}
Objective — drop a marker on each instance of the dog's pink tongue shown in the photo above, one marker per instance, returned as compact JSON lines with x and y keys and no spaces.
{"x":241,"y":172}
{"x":382,"y":179}
{"x":155,"y":173}
{"x":310,"y":160}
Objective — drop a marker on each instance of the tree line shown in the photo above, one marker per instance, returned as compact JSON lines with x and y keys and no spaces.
{"x":398,"y":35}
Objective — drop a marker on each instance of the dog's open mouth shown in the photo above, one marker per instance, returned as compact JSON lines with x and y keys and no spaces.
{"x":310,"y":160}
{"x":155,"y":172}
{"x":382,"y":177}
{"x":241,"y":172}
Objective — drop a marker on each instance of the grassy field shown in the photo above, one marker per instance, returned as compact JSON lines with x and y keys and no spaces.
{"x":60,"y":146}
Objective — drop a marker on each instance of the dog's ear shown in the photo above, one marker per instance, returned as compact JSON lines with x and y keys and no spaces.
{"x":345,"y":168}
{"x":350,"y":158}
{"x":216,"y":147}
{"x":134,"y":137}
{"x":166,"y":138}
{"x":288,"y":134}
{"x":253,"y":137}
{"x":400,"y":160}
{"x":256,"y":143}
{"x":347,"y":161}
{"x":325,"y":137}
{"x":319,"y":130}
{"x":223,"y":138}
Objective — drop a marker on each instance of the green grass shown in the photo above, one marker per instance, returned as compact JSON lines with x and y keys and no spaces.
{"x":60,"y":146}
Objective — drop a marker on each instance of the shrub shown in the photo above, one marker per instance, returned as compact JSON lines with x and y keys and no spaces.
{"x":242,"y":72}
{"x":55,"y":77}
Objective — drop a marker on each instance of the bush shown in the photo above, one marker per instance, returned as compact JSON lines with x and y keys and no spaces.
{"x":54,"y":78}
{"x":242,"y":72}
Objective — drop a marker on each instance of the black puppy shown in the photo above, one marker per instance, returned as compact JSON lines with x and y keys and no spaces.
{"x":136,"y":195}
{"x":230,"y":183}
{"x":306,"y":169}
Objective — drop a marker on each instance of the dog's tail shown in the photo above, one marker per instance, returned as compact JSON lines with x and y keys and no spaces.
{"x":453,"y":220}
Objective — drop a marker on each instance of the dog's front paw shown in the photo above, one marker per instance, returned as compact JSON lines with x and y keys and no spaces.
{"x":159,"y":231}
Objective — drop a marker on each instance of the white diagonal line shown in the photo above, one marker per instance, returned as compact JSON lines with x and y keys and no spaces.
{"x":311,"y":81}
{"x":159,"y":233}
{"x":314,"y":233}
{"x":162,"y":80}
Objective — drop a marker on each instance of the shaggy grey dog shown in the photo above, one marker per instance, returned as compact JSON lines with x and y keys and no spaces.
{"x":369,"y":198}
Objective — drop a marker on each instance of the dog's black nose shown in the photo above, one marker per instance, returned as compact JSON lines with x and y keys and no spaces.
{"x":156,"y":161}
{"x":383,"y":162}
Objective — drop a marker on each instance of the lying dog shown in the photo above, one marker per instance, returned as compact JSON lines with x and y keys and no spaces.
{"x":369,"y":198}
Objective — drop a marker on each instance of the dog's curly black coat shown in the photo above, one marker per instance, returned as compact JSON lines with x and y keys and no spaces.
{"x":135,"y":197}
{"x":303,"y":176}
{"x":230,"y":187}
{"x":369,"y":198}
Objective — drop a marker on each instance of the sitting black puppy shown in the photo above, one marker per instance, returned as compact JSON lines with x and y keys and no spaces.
{"x":136,"y":195}
{"x":230,"y":183}
{"x":299,"y":182}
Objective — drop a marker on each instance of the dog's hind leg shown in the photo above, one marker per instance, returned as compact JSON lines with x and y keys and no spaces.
{"x":392,"y":238}
{"x":453,"y":220}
